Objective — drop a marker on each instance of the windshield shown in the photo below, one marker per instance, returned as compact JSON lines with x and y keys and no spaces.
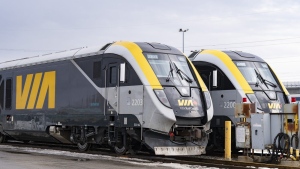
{"x":265,"y":72}
{"x":248,"y":71}
{"x":160,"y":63}
{"x":166,"y":65}
{"x":181,"y":63}
{"x":257,"y":72}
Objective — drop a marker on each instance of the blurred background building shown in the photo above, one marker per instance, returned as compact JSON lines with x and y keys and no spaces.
{"x":292,"y":87}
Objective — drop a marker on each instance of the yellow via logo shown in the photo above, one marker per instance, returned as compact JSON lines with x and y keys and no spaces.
{"x":35,"y":89}
{"x":274,"y":105}
{"x":185,"y":103}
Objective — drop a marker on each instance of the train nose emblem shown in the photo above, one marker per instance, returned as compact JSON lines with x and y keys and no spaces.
{"x":187,"y":102}
{"x":274,"y":105}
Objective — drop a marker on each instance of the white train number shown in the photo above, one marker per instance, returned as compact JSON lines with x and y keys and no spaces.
{"x":229,"y":105}
{"x":136,"y":102}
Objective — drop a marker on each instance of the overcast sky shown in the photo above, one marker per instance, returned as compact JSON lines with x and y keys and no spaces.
{"x":269,"y":29}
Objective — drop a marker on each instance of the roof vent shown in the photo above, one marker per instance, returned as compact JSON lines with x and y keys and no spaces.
{"x":244,"y":55}
{"x":159,"y":46}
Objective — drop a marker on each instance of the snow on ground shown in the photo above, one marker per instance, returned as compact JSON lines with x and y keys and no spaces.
{"x":134,"y":161}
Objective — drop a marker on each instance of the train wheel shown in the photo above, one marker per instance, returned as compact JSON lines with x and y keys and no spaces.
{"x":2,"y":138}
{"x":83,"y":147}
{"x":122,"y":144}
{"x":120,"y":150}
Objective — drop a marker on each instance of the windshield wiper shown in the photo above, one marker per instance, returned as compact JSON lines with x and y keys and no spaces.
{"x":266,"y":82}
{"x":170,"y":72}
{"x":182,"y":74}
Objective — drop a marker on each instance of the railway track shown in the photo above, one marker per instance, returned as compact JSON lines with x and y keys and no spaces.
{"x":204,"y":160}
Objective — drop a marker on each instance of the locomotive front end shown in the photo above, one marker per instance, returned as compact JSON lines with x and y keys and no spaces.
{"x":246,"y":92}
{"x":186,"y":97}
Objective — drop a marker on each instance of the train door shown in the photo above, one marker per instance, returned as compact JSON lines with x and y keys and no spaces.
{"x":116,"y":132}
{"x":124,"y":90}
{"x":112,"y":87}
{"x":221,"y":89}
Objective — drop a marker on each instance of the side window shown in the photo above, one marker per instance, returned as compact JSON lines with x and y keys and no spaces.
{"x":8,"y":94}
{"x":206,"y":72}
{"x":92,"y":67}
{"x":97,"y":70}
{"x":110,"y":68}
{"x":226,"y":83}
{"x":223,"y":82}
{"x":113,"y":75}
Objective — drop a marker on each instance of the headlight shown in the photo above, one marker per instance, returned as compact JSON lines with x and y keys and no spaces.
{"x":162,"y":97}
{"x":253,"y":99}
{"x":207,"y":98}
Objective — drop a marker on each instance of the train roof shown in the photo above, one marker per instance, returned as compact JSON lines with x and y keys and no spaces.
{"x":79,"y":53}
{"x":239,"y":55}
{"x":51,"y":57}
{"x":234,"y":55}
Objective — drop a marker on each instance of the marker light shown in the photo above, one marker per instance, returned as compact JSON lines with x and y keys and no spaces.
{"x":171,"y":134}
{"x":244,"y":99}
{"x":162,"y":97}
{"x":293,"y":99}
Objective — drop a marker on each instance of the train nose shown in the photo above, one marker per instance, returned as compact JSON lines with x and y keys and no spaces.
{"x":185,"y":102}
